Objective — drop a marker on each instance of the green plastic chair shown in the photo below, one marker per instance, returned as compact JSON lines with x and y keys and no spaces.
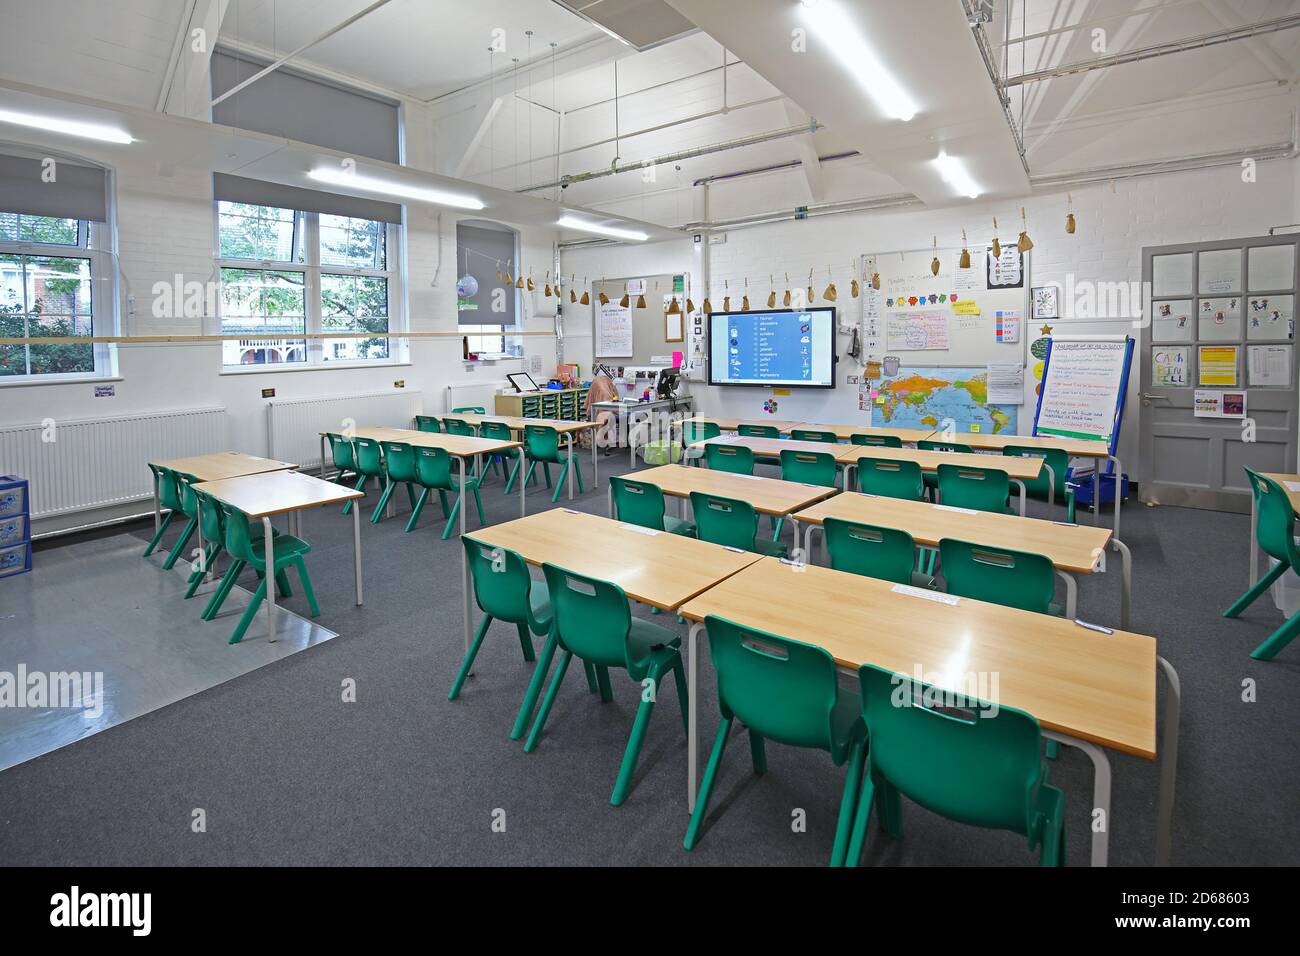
{"x":289,"y":552}
{"x":189,"y":508}
{"x":427,"y":423}
{"x":890,"y":479}
{"x":344,"y":458}
{"x":980,"y":489}
{"x":758,"y":431}
{"x":433,"y":472}
{"x":980,"y":770}
{"x":213,"y":525}
{"x":881,"y":441}
{"x":174,"y":495}
{"x":734,"y":459}
{"x":505,"y":591}
{"x":457,"y":426}
{"x":500,"y":431}
{"x":469,"y":410}
{"x":370,"y":464}
{"x":999,"y":575}
{"x":543,"y":445}
{"x":642,"y":503}
{"x":813,"y":434}
{"x":699,"y":431}
{"x":1038,"y":488}
{"x":169,"y":500}
{"x":872,"y":551}
{"x":399,"y":465}
{"x":785,"y":691}
{"x":809,"y":467}
{"x":731,"y":523}
{"x":931,"y":481}
{"x":594,"y":622}
{"x":1275,"y":534}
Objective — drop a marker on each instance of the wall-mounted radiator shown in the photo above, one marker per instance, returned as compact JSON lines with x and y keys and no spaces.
{"x":477,"y":395}
{"x":93,"y":462}
{"x":294,"y":426}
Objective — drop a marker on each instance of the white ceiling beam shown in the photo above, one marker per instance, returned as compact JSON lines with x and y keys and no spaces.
{"x":188,"y":85}
{"x":807,"y":154}
{"x":480,"y":133}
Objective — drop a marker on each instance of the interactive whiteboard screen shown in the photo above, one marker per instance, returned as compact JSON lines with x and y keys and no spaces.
{"x":785,"y":348}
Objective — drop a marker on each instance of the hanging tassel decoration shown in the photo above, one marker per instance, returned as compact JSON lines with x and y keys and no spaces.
{"x":964,"y":261}
{"x":726,"y":298}
{"x":1069,"y":214}
{"x":997,"y":246}
{"x":830,"y":295}
{"x":1024,"y":243}
{"x":788,"y":298}
{"x":771,"y":295}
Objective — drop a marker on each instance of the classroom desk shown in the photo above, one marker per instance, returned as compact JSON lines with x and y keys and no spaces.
{"x":769,"y":496}
{"x":731,"y":424}
{"x":657,"y":568}
{"x":1072,"y":548}
{"x":846,"y":432}
{"x":213,"y":467}
{"x":1086,"y":688}
{"x":1018,"y":470}
{"x":565,"y":427}
{"x":1292,"y":493}
{"x":284,"y":493}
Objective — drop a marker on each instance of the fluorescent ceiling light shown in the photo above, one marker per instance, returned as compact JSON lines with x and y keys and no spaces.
{"x":573,"y":222}
{"x":342,"y":177}
{"x":842,"y":37}
{"x":955,"y":174}
{"x":108,"y":134}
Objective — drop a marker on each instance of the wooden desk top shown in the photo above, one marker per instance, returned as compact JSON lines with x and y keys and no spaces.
{"x":772,"y":447}
{"x":658,"y":568}
{"x":519,"y":424}
{"x":1069,"y":547}
{"x":1282,"y":480}
{"x":276,"y":492}
{"x":1094,"y":686}
{"x":731,"y":424}
{"x":458,"y":446}
{"x":1074,"y":447}
{"x":846,"y":432}
{"x":1022,"y":468}
{"x":224,"y":464}
{"x":770,"y":496}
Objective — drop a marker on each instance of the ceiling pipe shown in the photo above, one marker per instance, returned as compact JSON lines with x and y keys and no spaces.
{"x":807,"y":212}
{"x":615,"y":169}
{"x":1157,"y":50}
{"x":774,"y":167}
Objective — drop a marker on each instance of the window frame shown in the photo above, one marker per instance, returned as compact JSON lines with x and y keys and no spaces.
{"x":307,"y":227}
{"x":94,"y":244}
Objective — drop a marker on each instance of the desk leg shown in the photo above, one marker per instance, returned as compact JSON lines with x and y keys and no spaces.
{"x":523,"y":494}
{"x":794,"y":534}
{"x":610,"y":496}
{"x":1096,"y":491}
{"x":1100,"y":794}
{"x":692,"y":714}
{"x":1119,"y":474}
{"x":848,"y":470}
{"x":1051,"y":485}
{"x":1022,"y":495}
{"x":573,"y":464}
{"x":270,"y":577}
{"x":322,"y":460}
{"x":356,"y":548}
{"x":157,"y":520}
{"x":595,"y":460}
{"x":464,"y":564}
{"x":1254,"y":520}
{"x":1126,"y":582}
{"x":1168,"y":763}
{"x":1071,"y":594}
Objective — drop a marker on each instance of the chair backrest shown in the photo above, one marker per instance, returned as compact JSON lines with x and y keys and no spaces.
{"x":1275,"y":527}
{"x":870,"y":550}
{"x":341,"y":449}
{"x":542,"y":442}
{"x":469,"y":410}
{"x":169,"y":495}
{"x":726,"y":521}
{"x":982,"y":489}
{"x":699,"y":431}
{"x":189,"y":501}
{"x":1055,"y":459}
{"x":239,"y":539}
{"x":758,"y":431}
{"x":638,"y":502}
{"x":891,"y":479}
{"x":882,"y":441}
{"x":433,"y":467}
{"x":368,"y":457}
{"x":501,"y":581}
{"x":983,"y":770}
{"x":212,"y":527}
{"x":457,"y":426}
{"x":813,"y":434}
{"x":592,"y":617}
{"x":427,"y":423}
{"x":997,"y":575}
{"x":810,"y":467}
{"x":782,"y":689}
{"x":499,"y":431}
{"x":930,"y":444}
{"x":399,"y":458}
{"x":736,"y":459}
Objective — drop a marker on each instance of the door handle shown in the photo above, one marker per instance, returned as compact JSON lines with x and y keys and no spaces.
{"x":1148,"y":396}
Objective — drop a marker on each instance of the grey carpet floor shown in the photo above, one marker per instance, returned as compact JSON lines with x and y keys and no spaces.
{"x":286,"y":772}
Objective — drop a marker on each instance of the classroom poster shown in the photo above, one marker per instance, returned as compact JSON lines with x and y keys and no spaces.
{"x":1216,"y":365}
{"x":614,"y":331}
{"x":1268,"y":365}
{"x":1081,"y":390}
{"x":1169,"y":367}
{"x":1214,"y":404}
{"x":1007,"y":270}
{"x":917,"y":331}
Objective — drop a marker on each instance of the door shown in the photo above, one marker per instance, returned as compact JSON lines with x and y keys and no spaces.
{"x":1220,"y":320}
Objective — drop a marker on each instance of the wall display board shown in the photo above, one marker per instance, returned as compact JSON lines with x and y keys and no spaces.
{"x":1083,"y":387}
{"x":632,"y":335}
{"x":613,"y":330}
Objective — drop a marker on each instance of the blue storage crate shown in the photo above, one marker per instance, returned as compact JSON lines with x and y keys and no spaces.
{"x":15,"y":560}
{"x":13,"y":496}
{"x":14,"y":530}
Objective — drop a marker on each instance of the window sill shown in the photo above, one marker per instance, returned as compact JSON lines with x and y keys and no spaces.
{"x":75,"y":380}
{"x":278,"y":368}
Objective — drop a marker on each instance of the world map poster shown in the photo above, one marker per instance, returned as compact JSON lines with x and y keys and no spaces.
{"x":929,"y":397}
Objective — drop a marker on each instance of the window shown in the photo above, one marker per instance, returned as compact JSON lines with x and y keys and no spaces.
{"x":49,"y":288}
{"x":288,"y":274}
{"x":488,"y":306}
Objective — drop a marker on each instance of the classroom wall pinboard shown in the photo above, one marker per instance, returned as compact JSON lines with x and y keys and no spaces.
{"x":627,"y":335}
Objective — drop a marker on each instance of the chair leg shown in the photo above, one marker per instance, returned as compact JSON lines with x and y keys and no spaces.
{"x":416,"y":509}
{"x":442,"y":500}
{"x":258,"y":597}
{"x":758,"y":752}
{"x":639,"y":726}
{"x":223,"y":590}
{"x":529,"y":476}
{"x":157,"y":535}
{"x":196,"y":576}
{"x":590,"y":670}
{"x":1278,"y":639}
{"x":1258,"y":588}
{"x":546,"y":472}
{"x":307,"y":590}
{"x":181,"y":542}
{"x":848,"y":802}
{"x":410,"y":493}
{"x":890,"y":806}
{"x":549,"y":701}
{"x":577,"y":473}
{"x":478,"y":504}
{"x":282,"y":584}
{"x":559,"y":482}
{"x":683,"y":696}
{"x":383,"y":502}
{"x":602,"y":682}
{"x":514,"y":473}
{"x":468,"y":662}
{"x":861,"y":818}
{"x":706,"y":785}
{"x":535,"y":687}
{"x":1051,"y":748}
{"x":359,"y":486}
{"x":451,"y":518}
{"x":526,"y":642}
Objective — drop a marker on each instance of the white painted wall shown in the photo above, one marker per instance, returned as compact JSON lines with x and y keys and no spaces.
{"x":1114,"y":221}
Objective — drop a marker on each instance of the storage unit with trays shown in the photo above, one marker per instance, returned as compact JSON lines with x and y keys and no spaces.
{"x":15,"y":526}
{"x":567,"y":404}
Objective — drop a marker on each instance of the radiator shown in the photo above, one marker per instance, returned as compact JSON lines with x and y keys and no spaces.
{"x":480,"y":395}
{"x":293,"y":427}
{"x":93,"y":462}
